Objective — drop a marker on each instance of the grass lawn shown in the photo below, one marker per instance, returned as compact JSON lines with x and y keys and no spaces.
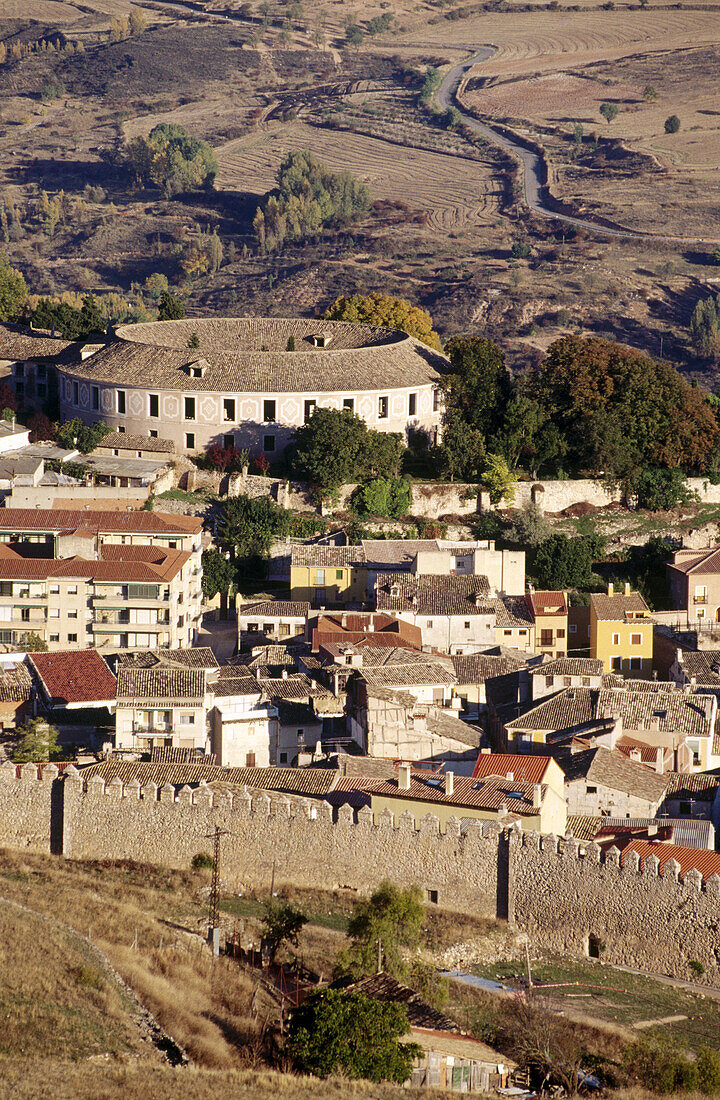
{"x":604,"y":993}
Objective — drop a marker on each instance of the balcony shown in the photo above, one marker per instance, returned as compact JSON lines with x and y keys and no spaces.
{"x":700,"y":599}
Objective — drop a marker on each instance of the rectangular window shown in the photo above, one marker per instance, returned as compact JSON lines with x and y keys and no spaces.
{"x":268,"y":443}
{"x":567,"y":681}
{"x":685,"y":809}
{"x":228,"y":442}
{"x":466,"y":625}
{"x":154,"y":404}
{"x":561,"y":633}
{"x":283,"y":758}
{"x":189,"y":408}
{"x":25,"y":614}
{"x":432,"y":896}
{"x":229,"y":409}
{"x":152,"y":434}
{"x":412,"y":404}
{"x":284,"y":630}
{"x":142,"y":592}
{"x":383,"y":405}
{"x":349,"y":403}
{"x":436,"y":400}
{"x":701,"y":593}
{"x":72,"y":590}
{"x":338,"y":574}
{"x":549,"y":681}
{"x":76,"y":394}
{"x":319,"y":576}
{"x":309,"y":409}
{"x":54,"y":612}
{"x":187,"y":719}
{"x":95,"y":396}
{"x":72,"y":614}
{"x":54,"y":637}
{"x":190,"y":441}
{"x":636,"y":639}
{"x":429,"y":624}
{"x":250,"y":760}
{"x":72,"y":637}
{"x":269,"y":412}
{"x":616,"y":664}
{"x":507,"y":633}
{"x":121,"y":402}
{"x":636,"y":662}
{"x":616,"y":639}
{"x":572,"y":628}
{"x":590,"y":790}
{"x":546,"y":637}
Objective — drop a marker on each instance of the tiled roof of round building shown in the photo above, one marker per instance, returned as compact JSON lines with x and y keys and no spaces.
{"x":249,"y":354}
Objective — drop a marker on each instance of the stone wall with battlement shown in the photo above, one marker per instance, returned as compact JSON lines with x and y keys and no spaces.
{"x":562,"y":892}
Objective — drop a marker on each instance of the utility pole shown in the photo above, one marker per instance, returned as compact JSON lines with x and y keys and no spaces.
{"x":527,"y":960}
{"x":213,"y":933}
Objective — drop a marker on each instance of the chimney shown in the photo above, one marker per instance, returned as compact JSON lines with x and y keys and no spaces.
{"x":636,"y":755}
{"x":404,"y":777}
{"x":510,"y":776}
{"x":693,"y":679}
{"x":611,"y":589}
{"x":343,"y":621}
{"x":537,"y":796}
{"x":679,"y":656}
{"x":284,"y":674}
{"x":449,"y":783}
{"x":659,"y":761}
{"x":485,"y":751}
{"x":627,"y":588}
{"x":652,"y":830}
{"x":502,"y":809}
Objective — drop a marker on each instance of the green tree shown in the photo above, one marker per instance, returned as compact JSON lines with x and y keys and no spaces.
{"x":462,"y":451}
{"x":38,"y":741}
{"x":529,"y":527}
{"x":247,"y":529}
{"x":383,"y":928}
{"x":73,"y":434}
{"x":354,"y":36}
{"x":562,"y":562}
{"x":672,"y":124}
{"x":13,"y":292}
{"x":172,"y":159}
{"x":708,"y":1067}
{"x":170,"y":308}
{"x":351,"y":1035}
{"x":609,"y":111}
{"x":615,"y":411}
{"x":649,"y":92}
{"x":431,"y":83}
{"x":218,"y":575}
{"x":659,"y":489}
{"x":282,"y":923}
{"x":387,"y":312}
{"x":357,"y":452}
{"x":498,"y":479}
{"x":384,"y":497}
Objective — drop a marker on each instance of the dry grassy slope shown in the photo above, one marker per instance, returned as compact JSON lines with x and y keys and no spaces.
{"x":62,"y":1081}
{"x":55,"y":997}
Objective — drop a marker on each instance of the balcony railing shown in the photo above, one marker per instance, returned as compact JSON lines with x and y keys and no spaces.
{"x":700,"y":599}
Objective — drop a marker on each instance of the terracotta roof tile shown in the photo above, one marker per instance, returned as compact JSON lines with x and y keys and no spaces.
{"x":105,"y":522}
{"x":160,"y":686}
{"x":570,"y":666}
{"x":314,"y":782}
{"x":121,"y":441}
{"x":690,"y":859}
{"x":488,"y":793}
{"x":73,"y":677}
{"x":291,"y":609}
{"x":319,"y":556}
{"x":611,"y":769}
{"x":475,"y":668}
{"x":617,"y":606}
{"x":15,"y":684}
{"x":434,"y":594}
{"x":530,"y":768}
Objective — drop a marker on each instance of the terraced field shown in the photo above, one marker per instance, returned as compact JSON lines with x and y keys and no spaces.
{"x":456,"y":193}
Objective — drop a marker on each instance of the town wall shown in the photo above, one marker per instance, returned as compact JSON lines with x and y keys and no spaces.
{"x":559,"y":891}
{"x":563,"y":892}
{"x":26,"y":805}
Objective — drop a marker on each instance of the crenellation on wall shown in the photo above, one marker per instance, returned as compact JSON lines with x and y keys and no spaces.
{"x":563,"y":893}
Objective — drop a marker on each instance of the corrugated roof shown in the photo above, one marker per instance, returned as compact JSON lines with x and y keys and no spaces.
{"x":530,"y":768}
{"x":233,"y":354}
{"x":382,"y":987}
{"x":616,"y":607}
{"x":104,"y":522}
{"x":315,"y":782}
{"x":688,"y":832}
{"x":434,"y":594}
{"x":488,"y":793}
{"x":75,"y":676}
{"x":690,"y":859}
{"x":609,"y":768}
{"x":160,"y":685}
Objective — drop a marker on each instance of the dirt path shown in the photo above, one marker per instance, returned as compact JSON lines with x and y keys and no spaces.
{"x":536,"y":192}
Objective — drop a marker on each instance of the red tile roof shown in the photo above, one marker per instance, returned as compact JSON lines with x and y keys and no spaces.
{"x":488,"y":793}
{"x":74,"y":676}
{"x":107,"y":522}
{"x":119,"y":564}
{"x":707,"y":863}
{"x":531,"y":769}
{"x":547,"y":603}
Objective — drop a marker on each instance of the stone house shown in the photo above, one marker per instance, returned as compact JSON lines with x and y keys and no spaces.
{"x":492,"y":678}
{"x":553,"y":676}
{"x":536,"y":806}
{"x":121,"y":445}
{"x":550,"y":615}
{"x":367,"y":628}
{"x":504,"y":569}
{"x":621,"y":632}
{"x":604,"y":781}
{"x":327,"y":576}
{"x":299,"y":730}
{"x":76,"y":691}
{"x":386,"y":723}
{"x":16,"y":695}
{"x":694,"y":577}
{"x":696,"y":666}
{"x":450,"y":1059}
{"x":161,"y":707}
{"x":695,"y":796}
{"x":270,"y":622}
{"x":243,"y":721}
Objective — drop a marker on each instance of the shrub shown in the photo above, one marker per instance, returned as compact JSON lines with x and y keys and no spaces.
{"x":384,"y":497}
{"x":708,"y":1069}
{"x":696,"y":967}
{"x":520,"y":250}
{"x":609,"y":111}
{"x":672,"y":124}
{"x":203,"y":862}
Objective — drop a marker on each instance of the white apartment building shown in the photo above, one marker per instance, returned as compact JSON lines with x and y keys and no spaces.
{"x":244,"y":723}
{"x":112,"y":581}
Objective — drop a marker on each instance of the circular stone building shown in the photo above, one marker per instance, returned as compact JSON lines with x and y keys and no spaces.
{"x":251,"y":381}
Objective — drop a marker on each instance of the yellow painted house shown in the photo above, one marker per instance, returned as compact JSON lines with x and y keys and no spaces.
{"x":328,"y":576}
{"x":621,"y":632}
